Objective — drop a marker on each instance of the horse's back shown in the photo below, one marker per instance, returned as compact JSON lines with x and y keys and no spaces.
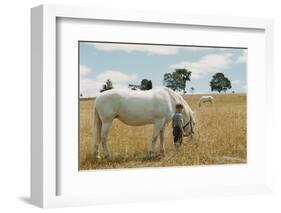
{"x":207,"y":97}
{"x":107,"y":104}
{"x":133,"y":107}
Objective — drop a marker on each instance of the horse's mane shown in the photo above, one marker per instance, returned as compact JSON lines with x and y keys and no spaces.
{"x":174,"y":96}
{"x":179,"y":99}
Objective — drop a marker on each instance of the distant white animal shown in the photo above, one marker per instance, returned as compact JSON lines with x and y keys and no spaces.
{"x":137,"y":108}
{"x":205,"y":99}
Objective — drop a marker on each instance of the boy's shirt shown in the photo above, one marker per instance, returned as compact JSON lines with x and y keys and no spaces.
{"x":177,"y":120}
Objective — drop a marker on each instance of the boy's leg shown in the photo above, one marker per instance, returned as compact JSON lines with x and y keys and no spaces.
{"x":177,"y":134}
{"x":180,"y":139}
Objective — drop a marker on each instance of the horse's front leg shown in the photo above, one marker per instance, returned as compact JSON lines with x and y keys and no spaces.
{"x":156,"y":130}
{"x":162,"y":140}
{"x":104,"y":136}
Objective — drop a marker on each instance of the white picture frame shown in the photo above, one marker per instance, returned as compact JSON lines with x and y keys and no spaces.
{"x":44,"y":154}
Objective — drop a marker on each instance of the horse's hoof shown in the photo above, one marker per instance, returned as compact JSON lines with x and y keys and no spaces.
{"x":177,"y":147}
{"x":151,"y":154}
{"x":107,"y":157}
{"x":162,"y":153}
{"x":96,"y":156}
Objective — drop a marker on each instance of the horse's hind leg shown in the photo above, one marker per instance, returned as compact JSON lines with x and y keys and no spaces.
{"x":156,"y":130}
{"x":104,"y":136}
{"x":97,"y":135}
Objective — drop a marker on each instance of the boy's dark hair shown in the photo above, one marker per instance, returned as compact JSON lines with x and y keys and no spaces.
{"x":179,"y":106}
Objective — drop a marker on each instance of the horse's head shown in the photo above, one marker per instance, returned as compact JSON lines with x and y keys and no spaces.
{"x":189,"y":125}
{"x":188,"y":119}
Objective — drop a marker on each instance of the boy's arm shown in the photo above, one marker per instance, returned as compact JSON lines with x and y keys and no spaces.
{"x":181,"y":127}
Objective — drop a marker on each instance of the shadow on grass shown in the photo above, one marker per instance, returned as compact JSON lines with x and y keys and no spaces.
{"x":118,"y":161}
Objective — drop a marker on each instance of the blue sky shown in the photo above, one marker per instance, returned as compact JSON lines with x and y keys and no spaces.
{"x":130,"y":63}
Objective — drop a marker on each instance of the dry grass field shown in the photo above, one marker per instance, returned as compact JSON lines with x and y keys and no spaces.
{"x":220,"y":138}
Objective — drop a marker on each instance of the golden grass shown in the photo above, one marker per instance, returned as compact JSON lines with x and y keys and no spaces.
{"x":220,"y":138}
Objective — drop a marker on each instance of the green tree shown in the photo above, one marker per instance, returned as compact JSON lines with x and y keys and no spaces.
{"x":177,"y":79}
{"x":220,"y":83}
{"x":107,"y":86}
{"x":134,"y":86}
{"x":192,"y":90}
{"x":146,"y":84}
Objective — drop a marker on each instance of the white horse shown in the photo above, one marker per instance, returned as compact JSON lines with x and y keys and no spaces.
{"x":205,"y":99}
{"x":138,"y":108}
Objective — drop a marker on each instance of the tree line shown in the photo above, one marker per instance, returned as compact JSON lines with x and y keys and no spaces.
{"x":177,"y":81}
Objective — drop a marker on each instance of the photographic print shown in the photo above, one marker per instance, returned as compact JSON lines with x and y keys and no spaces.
{"x":152,"y":105}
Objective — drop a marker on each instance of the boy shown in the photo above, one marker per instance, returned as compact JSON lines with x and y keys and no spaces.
{"x":177,"y":124}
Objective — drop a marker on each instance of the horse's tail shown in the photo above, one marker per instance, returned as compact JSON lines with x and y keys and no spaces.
{"x":97,"y":131}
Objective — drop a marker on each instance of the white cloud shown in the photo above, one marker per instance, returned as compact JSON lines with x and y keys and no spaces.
{"x":84,"y":70}
{"x":91,"y":87}
{"x":149,"y":49}
{"x":198,"y":48}
{"x":239,"y":85}
{"x":207,"y":64}
{"x":242,"y":58}
{"x":116,"y":76}
{"x":236,"y":82}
